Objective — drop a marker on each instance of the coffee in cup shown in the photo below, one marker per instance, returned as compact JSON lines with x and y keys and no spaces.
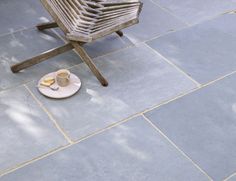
{"x":63,"y":77}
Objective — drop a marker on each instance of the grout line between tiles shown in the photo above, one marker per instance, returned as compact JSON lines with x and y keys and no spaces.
{"x":190,"y":25}
{"x":19,"y":30}
{"x":166,"y":33}
{"x":131,"y":45}
{"x":54,"y":151}
{"x":49,"y":115}
{"x":171,"y":13}
{"x":173,"y":144}
{"x":100,"y":131}
{"x":13,"y":87}
{"x":173,"y":65}
{"x":213,"y":17}
{"x":8,"y":171}
{"x":163,"y":8}
{"x":229,"y":177}
{"x":108,"y":127}
{"x":100,"y":56}
{"x":116,"y":51}
{"x":189,"y":92}
{"x":184,"y":28}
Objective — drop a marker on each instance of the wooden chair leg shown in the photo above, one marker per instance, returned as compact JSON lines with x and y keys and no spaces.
{"x":85,"y":57}
{"x":48,"y":25}
{"x":44,"y":56}
{"x":120,"y":33}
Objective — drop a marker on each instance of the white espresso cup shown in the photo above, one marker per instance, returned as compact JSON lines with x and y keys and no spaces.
{"x":63,"y":77}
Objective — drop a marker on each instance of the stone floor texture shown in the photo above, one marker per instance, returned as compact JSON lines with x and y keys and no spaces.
{"x":168,"y":114}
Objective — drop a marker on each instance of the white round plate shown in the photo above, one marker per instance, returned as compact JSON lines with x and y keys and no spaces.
{"x":62,"y":92}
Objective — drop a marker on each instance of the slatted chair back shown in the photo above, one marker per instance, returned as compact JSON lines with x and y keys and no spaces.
{"x":87,"y":20}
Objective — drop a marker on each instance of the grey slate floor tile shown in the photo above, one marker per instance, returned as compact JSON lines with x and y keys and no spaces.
{"x":153,"y":22}
{"x":25,"y":130}
{"x":232,"y":179}
{"x":138,"y":79}
{"x":193,"y":11}
{"x":19,"y":14}
{"x":224,"y":23}
{"x":206,"y":51}
{"x":22,"y":45}
{"x":133,"y":151}
{"x":106,"y":45}
{"x":203,"y":125}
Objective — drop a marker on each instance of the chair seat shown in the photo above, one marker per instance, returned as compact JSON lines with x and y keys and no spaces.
{"x":87,"y":20}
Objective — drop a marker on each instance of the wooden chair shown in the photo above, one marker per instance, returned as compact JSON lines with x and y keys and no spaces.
{"x":84,"y":21}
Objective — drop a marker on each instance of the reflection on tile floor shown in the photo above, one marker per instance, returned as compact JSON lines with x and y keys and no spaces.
{"x":153,"y":122}
{"x":192,"y":11}
{"x":205,"y":51}
{"x":204,"y":128}
{"x":133,"y":73}
{"x":26,"y":130}
{"x":132,"y":150}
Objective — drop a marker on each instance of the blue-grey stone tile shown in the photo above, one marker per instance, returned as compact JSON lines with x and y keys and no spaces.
{"x":106,"y":45}
{"x":133,"y":151}
{"x":224,"y":23}
{"x":154,"y":22}
{"x":138,"y":79}
{"x":203,"y":125}
{"x":21,"y":14}
{"x":193,"y":11}
{"x":206,"y":51}
{"x":232,"y":178}
{"x":22,"y":45}
{"x":25,"y":130}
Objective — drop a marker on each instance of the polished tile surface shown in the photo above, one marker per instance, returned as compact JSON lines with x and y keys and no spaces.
{"x":133,"y":151}
{"x":25,"y":129}
{"x":206,"y":51}
{"x":16,"y":15}
{"x":203,"y":125}
{"x":101,"y":133}
{"x":192,"y":11}
{"x":15,"y":48}
{"x":154,"y":22}
{"x":138,"y":79}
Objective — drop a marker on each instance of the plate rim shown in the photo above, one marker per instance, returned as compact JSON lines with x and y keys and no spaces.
{"x":63,"y":97}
